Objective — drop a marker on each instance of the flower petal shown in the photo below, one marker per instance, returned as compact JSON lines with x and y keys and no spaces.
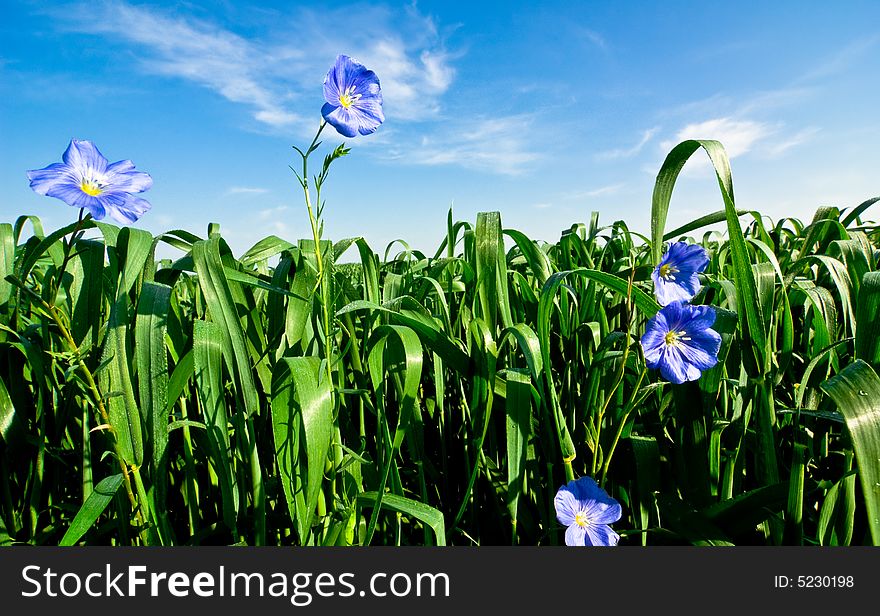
{"x":55,"y":175}
{"x":122,"y":176}
{"x":653,"y":341}
{"x":688,"y":257}
{"x":369,"y":115}
{"x":698,"y":318}
{"x":675,"y":369}
{"x":575,"y":535}
{"x":83,"y":155}
{"x":701,"y":350}
{"x":566,"y":506}
{"x":123,"y":207}
{"x":678,"y":290}
{"x":600,"y":535}
{"x":604,"y":512}
{"x":341,"y":119}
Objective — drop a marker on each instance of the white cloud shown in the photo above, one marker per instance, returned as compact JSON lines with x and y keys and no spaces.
{"x":272,"y":213}
{"x":737,"y":136}
{"x":246,"y":190}
{"x":496,"y":145}
{"x":270,"y":74}
{"x":595,"y":38}
{"x":780,"y":147}
{"x":602,"y":191}
{"x":843,"y":59}
{"x":631,"y":151}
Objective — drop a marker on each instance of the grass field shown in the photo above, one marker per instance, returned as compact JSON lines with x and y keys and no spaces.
{"x":284,"y":397}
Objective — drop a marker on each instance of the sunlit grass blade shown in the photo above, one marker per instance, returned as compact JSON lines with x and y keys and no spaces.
{"x":302,"y":424}
{"x":856,"y":391}
{"x":94,"y":506}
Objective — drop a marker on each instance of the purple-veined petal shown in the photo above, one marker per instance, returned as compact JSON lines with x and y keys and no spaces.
{"x":575,"y":535}
{"x":84,"y":156}
{"x":566,"y":506}
{"x":689,"y":257}
{"x":653,"y":341}
{"x":587,"y":491}
{"x":699,"y":318}
{"x":670,"y":291}
{"x":345,"y":72}
{"x":604,"y":512}
{"x":341,"y":119}
{"x":56,"y":174}
{"x":124,"y":208}
{"x":701,"y":350}
{"x":686,"y":260}
{"x":675,"y":369}
{"x":370,"y":116}
{"x":601,"y":535}
{"x":70,"y":193}
{"x":122,"y":176}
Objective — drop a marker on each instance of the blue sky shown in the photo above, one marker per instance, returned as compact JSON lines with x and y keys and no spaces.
{"x":543,"y":111}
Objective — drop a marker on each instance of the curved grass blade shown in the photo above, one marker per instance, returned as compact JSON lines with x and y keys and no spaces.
{"x":427,"y":514}
{"x":92,"y":509}
{"x":856,"y":391}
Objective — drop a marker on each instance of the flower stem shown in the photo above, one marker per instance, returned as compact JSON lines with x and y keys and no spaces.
{"x":316,"y":234}
{"x":92,"y":386}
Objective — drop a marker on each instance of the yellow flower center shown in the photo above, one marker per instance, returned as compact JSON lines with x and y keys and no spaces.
{"x":581,"y":519}
{"x":667,"y":272}
{"x":674,"y":338}
{"x":348,"y":98}
{"x":90,"y":187}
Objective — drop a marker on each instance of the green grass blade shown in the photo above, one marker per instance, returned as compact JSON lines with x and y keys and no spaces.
{"x":94,"y":506}
{"x":302,"y":423}
{"x":856,"y":391}
{"x":208,"y":379}
{"x":867,"y":344}
{"x":518,"y":404}
{"x":427,"y":514}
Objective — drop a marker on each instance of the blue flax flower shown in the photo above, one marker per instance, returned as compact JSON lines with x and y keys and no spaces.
{"x":86,"y":180}
{"x":675,"y":277}
{"x":679,"y":340}
{"x":587,"y":510}
{"x":354,"y":98}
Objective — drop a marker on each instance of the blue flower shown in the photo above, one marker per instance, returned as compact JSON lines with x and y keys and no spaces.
{"x":354,"y":98}
{"x":675,"y":277}
{"x":587,"y":510}
{"x":679,"y":340}
{"x":85,"y":180}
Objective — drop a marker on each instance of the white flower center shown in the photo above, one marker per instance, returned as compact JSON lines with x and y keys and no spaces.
{"x":348,"y":98}
{"x":675,"y":338}
{"x":581,"y":519}
{"x":92,"y":185}
{"x":668,"y":272}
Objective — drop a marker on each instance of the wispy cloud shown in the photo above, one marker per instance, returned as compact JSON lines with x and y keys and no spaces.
{"x":595,"y":38}
{"x":272,"y":212}
{"x":842,"y":60}
{"x":246,"y":190}
{"x":496,"y":145}
{"x":737,"y":136}
{"x":602,"y":191}
{"x":781,"y":146}
{"x":630,"y":151}
{"x":269,"y":74}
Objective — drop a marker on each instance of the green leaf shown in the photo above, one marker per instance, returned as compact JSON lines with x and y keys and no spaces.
{"x":518,"y":404}
{"x":208,"y":379}
{"x":427,"y":514}
{"x":92,"y":509}
{"x":302,"y":423}
{"x":856,"y":391}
